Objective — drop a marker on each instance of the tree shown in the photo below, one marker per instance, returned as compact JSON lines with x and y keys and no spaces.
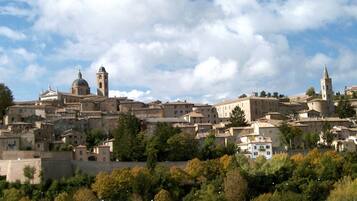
{"x":126,"y":138}
{"x":275,"y":94}
{"x":327,"y":135}
{"x":12,"y":194}
{"x":237,"y":118}
{"x":64,"y":196}
{"x":263,"y":94}
{"x":84,"y":194}
{"x":94,"y":137}
{"x":345,"y":190}
{"x":182,"y":147}
{"x":6,"y":99}
{"x":287,"y":135}
{"x":344,"y":108}
{"x":158,"y":143}
{"x":310,"y":92}
{"x":163,"y":195}
{"x":29,"y":172}
{"x":235,"y":186}
{"x":310,"y":140}
{"x":243,"y":96}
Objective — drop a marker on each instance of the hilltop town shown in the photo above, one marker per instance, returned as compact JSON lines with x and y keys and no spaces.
{"x":55,"y":127}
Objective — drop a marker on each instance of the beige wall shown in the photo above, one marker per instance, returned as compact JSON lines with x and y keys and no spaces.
{"x":253,"y":107}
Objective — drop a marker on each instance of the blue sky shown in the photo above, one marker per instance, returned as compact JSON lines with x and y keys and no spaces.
{"x":199,"y":50}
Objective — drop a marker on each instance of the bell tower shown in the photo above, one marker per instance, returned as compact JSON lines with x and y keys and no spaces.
{"x":327,"y":92}
{"x":102,"y":82}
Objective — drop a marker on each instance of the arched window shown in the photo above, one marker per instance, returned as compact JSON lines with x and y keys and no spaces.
{"x":100,"y":85}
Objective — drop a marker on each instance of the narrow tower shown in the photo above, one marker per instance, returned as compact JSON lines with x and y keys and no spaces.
{"x":102,"y":82}
{"x":327,"y":92}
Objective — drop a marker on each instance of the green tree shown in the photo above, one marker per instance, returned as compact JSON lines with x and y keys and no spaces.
{"x":344,"y":108}
{"x":327,"y":135}
{"x":237,"y":118}
{"x":263,"y":94}
{"x":235,"y":186}
{"x":158,"y":143}
{"x":126,"y":138}
{"x":94,"y":137}
{"x":310,"y":92}
{"x":209,"y":193}
{"x":29,"y":172}
{"x":276,"y":94}
{"x":288,"y":135}
{"x":12,"y":194}
{"x":182,"y":147}
{"x":6,"y":99}
{"x":310,"y":140}
{"x":243,"y":96}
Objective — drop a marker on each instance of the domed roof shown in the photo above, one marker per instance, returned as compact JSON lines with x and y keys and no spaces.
{"x":80,"y":81}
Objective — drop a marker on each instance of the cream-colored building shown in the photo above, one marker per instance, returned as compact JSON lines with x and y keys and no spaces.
{"x":254,"y":145}
{"x":253,"y":107}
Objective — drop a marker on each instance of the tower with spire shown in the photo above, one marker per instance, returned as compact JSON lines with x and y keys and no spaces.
{"x":327,"y":92}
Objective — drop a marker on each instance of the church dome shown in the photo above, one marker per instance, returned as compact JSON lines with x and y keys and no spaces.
{"x":80,"y":82}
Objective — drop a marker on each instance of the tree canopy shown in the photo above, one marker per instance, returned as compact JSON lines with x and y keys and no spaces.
{"x":344,"y":108}
{"x":310,"y":92}
{"x":6,"y":99}
{"x":237,"y":118}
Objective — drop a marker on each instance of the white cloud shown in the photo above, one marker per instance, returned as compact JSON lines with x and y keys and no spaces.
{"x":213,"y":49}
{"x":133,"y":94}
{"x":33,"y":72}
{"x":26,"y":55}
{"x":9,"y":33}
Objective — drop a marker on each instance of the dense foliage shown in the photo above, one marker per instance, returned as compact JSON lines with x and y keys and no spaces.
{"x":310,"y":92}
{"x":237,"y":118}
{"x":312,"y":177}
{"x":163,"y":143}
{"x":344,"y":108}
{"x":6,"y":99}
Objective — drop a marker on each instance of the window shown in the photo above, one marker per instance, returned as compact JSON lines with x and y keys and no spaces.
{"x":100,"y":85}
{"x":255,"y":147}
{"x":80,"y":153}
{"x":255,"y":153}
{"x":268,"y":147}
{"x":268,"y":152}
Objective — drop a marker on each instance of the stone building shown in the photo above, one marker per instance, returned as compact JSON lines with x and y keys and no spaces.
{"x":176,"y":109}
{"x":253,"y":107}
{"x":73,"y":137}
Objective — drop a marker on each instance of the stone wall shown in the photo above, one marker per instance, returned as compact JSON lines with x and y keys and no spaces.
{"x":15,"y":155}
{"x":57,"y":169}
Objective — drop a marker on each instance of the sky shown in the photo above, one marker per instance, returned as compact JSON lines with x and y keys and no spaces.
{"x":195,"y":50}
